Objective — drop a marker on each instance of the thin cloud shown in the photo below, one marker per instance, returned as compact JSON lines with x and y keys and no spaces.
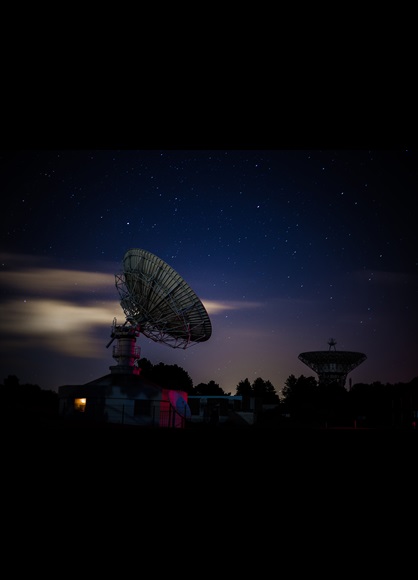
{"x":48,"y":280}
{"x":59,"y":325}
{"x":219,"y":306}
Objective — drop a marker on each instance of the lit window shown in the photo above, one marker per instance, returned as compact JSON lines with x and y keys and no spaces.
{"x":80,"y":405}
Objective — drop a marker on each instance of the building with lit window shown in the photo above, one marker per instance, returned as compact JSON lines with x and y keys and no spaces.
{"x":123,"y":396}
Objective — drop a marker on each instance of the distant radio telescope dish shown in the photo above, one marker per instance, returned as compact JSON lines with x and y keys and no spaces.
{"x":155,"y":297}
{"x":332,"y":365}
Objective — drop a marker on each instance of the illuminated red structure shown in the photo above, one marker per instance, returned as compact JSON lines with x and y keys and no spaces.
{"x":330,"y":365}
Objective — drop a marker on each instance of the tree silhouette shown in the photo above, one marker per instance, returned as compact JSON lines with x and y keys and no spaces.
{"x":265,"y":391}
{"x":146,"y":366}
{"x":300,"y":397}
{"x":244,"y":388}
{"x":376,"y":404}
{"x":27,"y":398}
{"x":210,"y":389}
{"x":167,"y":376}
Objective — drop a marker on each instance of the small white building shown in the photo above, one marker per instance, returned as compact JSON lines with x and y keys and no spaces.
{"x":126,"y":399}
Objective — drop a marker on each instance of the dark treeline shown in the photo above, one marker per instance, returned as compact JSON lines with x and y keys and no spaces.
{"x":18,"y":400}
{"x":303,"y":401}
{"x":175,"y":377}
{"x":307,"y":403}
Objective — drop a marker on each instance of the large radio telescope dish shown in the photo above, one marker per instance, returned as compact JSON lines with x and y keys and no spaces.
{"x":157,"y":299}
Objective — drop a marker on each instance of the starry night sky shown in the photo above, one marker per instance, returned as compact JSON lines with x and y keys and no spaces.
{"x":285,"y":248}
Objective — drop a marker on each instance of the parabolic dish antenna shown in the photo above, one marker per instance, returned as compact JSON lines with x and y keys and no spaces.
{"x":157,"y":299}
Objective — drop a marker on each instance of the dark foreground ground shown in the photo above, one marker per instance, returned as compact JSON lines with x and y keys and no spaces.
{"x":126,"y":482}
{"x":210,"y":445}
{"x":251,"y":498}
